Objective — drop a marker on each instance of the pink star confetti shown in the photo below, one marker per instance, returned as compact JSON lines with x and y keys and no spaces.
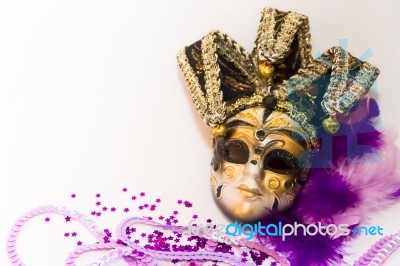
{"x":188,"y":204}
{"x":107,"y":231}
{"x":156,"y":240}
{"x":47,"y":219}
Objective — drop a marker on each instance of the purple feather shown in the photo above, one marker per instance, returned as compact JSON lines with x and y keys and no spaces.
{"x":314,"y":250}
{"x":329,"y":192}
{"x":325,"y":194}
{"x":396,"y":194}
{"x":304,"y":250}
{"x":376,"y":180}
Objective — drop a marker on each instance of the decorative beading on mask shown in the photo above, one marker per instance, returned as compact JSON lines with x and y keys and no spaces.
{"x":265,"y":107}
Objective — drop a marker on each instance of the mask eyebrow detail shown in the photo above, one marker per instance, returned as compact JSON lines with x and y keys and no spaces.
{"x":247,"y":138}
{"x":238,"y":123}
{"x":292,"y":134}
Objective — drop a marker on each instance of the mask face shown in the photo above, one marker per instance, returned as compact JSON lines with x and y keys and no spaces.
{"x":256,"y":165}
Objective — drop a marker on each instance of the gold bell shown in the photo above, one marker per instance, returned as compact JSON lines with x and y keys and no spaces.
{"x":266,"y":70}
{"x":218,"y":131}
{"x":331,"y":125}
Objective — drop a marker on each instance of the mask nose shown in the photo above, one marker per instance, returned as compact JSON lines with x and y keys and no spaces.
{"x":252,"y":170}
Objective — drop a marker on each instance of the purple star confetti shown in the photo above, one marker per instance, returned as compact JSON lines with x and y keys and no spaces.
{"x":158,"y":239}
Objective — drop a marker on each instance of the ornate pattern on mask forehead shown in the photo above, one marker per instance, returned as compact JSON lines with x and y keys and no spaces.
{"x":276,"y":121}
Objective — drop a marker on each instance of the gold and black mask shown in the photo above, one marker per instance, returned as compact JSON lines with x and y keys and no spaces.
{"x":266,"y":107}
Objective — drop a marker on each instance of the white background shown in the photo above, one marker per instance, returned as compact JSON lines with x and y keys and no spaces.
{"x":91,"y":100}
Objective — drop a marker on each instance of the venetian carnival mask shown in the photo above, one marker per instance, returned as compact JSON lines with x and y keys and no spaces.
{"x":265,"y":109}
{"x":257,"y":164}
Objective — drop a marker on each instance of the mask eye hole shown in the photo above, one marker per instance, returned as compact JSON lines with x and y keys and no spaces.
{"x":278,"y":164}
{"x":281,"y":161}
{"x":234,"y":151}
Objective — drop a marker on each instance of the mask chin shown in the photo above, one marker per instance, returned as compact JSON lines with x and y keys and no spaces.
{"x":255,"y":168}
